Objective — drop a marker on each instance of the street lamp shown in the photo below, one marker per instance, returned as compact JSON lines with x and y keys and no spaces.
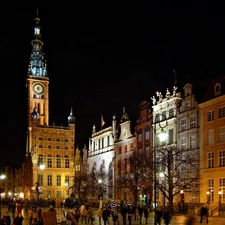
{"x":2,"y":177}
{"x":162,"y":136}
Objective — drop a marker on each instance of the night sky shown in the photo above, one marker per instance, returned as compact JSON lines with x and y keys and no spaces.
{"x":103,"y":55}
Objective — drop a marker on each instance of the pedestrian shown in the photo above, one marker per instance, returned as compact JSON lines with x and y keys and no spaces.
{"x":129,"y":214}
{"x":77,"y":214}
{"x":115,"y":216}
{"x":146,"y":214}
{"x":51,"y":208}
{"x":30,"y":212}
{"x":140,"y":213}
{"x":204,"y":213}
{"x":99,"y":214}
{"x":35,"y":216}
{"x":167,"y":216}
{"x":6,"y":220}
{"x":40,"y":216}
{"x":124,"y":214}
{"x":18,"y":220}
{"x":158,"y":216}
{"x":105,"y":215}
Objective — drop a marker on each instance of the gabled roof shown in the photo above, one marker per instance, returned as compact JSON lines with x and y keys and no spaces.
{"x":215,"y":89}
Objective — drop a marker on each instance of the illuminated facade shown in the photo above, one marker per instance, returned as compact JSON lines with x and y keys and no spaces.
{"x":144,"y":145}
{"x":100,"y":161}
{"x":212,"y":142}
{"x":124,"y":148}
{"x":49,"y":146}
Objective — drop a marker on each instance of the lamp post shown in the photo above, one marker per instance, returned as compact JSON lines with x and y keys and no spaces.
{"x":182,"y":200}
{"x":41,"y":167}
{"x":2,"y":177}
{"x":208,"y":196}
{"x":162,"y":137}
{"x":220,"y":193}
{"x":162,"y":175}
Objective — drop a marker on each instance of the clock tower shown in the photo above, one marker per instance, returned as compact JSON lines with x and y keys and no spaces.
{"x":37,"y":80}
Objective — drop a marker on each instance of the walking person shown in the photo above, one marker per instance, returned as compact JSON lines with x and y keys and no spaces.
{"x":158,"y":216}
{"x":105,"y":215}
{"x":99,"y":214}
{"x":124,"y":214}
{"x":77,"y":214}
{"x":39,"y":214}
{"x":140,"y":213}
{"x":167,"y":216}
{"x":18,"y":220}
{"x":146,"y":214}
{"x":115,"y":216}
{"x":6,"y":220}
{"x":30,"y":212}
{"x":129,"y":214}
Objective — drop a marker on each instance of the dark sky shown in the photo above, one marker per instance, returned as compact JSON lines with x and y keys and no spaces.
{"x":103,"y":55}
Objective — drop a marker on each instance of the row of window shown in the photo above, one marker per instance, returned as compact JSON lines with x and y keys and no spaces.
{"x":59,"y":161}
{"x":125,"y":148}
{"x":57,"y":147}
{"x":211,"y":192}
{"x":57,"y":139}
{"x":101,"y":143}
{"x":221,"y":158}
{"x":221,"y":114}
{"x":221,"y":135}
{"x":58,"y":180}
{"x":193,"y":123}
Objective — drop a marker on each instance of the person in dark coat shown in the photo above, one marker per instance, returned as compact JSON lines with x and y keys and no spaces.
{"x":146,"y":214}
{"x":204,"y":213}
{"x":158,"y":216}
{"x":124,"y":214}
{"x":140,"y":212}
{"x":167,"y":216}
{"x":105,"y":215}
{"x":129,"y":214}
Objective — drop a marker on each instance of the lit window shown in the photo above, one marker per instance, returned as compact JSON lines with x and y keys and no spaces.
{"x":221,"y":112}
{"x":210,"y":137}
{"x":49,"y":177}
{"x":49,"y":161}
{"x":67,"y":162}
{"x":58,"y":194}
{"x":221,"y":134}
{"x":183,"y":124}
{"x":58,"y":162}
{"x":211,"y":115}
{"x":183,"y":143}
{"x":210,"y":160}
{"x":193,"y":121}
{"x":222,"y":158}
{"x":192,"y":142}
{"x":58,"y":180}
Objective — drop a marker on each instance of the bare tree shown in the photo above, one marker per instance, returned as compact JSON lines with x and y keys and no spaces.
{"x":180,"y":170}
{"x":131,"y":174}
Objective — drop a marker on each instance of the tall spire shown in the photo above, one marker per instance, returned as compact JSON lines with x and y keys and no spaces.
{"x":37,"y":67}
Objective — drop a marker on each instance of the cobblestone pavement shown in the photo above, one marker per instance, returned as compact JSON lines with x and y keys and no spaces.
{"x":176,"y":220}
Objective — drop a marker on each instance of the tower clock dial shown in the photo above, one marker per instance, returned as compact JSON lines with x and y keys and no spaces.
{"x":38,"y":88}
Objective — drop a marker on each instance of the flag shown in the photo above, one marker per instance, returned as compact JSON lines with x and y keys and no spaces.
{"x":102,"y":121}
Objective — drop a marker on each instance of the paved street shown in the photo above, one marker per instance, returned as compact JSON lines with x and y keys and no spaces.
{"x":176,"y":220}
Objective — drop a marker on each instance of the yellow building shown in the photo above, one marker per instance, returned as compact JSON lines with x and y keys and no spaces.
{"x":50,"y":147}
{"x":212,"y":129}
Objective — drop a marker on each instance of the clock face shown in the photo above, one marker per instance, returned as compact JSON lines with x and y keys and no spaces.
{"x":38,"y":88}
